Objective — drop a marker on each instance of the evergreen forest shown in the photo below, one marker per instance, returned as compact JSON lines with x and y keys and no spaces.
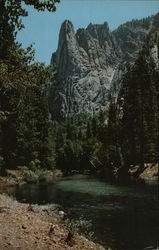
{"x":105,"y":143}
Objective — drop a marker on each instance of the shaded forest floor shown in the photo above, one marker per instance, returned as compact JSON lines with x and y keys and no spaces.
{"x":28,"y":227}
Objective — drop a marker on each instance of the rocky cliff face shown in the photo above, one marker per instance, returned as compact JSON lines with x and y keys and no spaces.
{"x":90,"y":64}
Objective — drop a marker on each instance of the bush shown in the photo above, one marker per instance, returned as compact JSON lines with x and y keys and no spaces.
{"x":34,"y":165}
{"x":80,"y":226}
{"x":44,"y":176}
{"x":22,"y":168}
{"x":35,"y":174}
{"x":30,"y":176}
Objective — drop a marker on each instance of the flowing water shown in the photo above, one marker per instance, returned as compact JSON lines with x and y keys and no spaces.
{"x":122,"y":216}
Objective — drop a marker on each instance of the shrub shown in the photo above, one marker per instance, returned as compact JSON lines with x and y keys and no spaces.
{"x":34,"y":165}
{"x":44,"y":176}
{"x":81,"y":226}
{"x":30,"y":176}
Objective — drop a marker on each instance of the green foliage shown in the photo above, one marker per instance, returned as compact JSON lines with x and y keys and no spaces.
{"x":30,"y":176}
{"x":80,"y":226}
{"x":135,"y":23}
{"x":100,"y":143}
{"x":24,"y":100}
{"x":11,"y":12}
{"x":82,"y":144}
{"x":25,"y":137}
{"x":140,"y":108}
{"x":109,"y":142}
{"x":34,"y":173}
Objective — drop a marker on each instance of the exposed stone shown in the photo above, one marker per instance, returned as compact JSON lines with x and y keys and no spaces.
{"x":90,"y":64}
{"x":150,"y":172}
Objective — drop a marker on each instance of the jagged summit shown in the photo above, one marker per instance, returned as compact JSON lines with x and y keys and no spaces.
{"x":67,"y":27}
{"x":90,"y":64}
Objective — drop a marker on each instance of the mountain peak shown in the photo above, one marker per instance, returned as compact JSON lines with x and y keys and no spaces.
{"x":67,"y":27}
{"x":90,"y":65}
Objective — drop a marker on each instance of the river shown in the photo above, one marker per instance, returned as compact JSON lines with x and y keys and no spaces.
{"x":122,"y":216}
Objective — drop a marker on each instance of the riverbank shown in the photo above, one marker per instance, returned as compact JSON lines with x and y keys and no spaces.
{"x":101,"y":204}
{"x":23,"y":176}
{"x":33,"y":227}
{"x":148,"y":174}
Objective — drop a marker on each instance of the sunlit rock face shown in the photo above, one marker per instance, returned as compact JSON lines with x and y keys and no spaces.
{"x":90,"y":63}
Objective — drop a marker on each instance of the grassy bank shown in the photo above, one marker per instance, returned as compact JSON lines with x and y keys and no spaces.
{"x":24,"y":175}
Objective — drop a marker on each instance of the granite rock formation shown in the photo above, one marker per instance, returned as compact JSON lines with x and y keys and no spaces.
{"x":90,"y":64}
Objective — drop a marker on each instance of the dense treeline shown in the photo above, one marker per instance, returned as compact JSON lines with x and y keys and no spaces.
{"x":24,"y":123}
{"x":89,"y":143}
{"x":140,"y":104}
{"x":135,"y":23}
{"x":106,"y":143}
{"x":128,"y":134}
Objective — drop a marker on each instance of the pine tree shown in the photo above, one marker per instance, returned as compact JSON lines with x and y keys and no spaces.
{"x":114,"y":135}
{"x":140,"y":110}
{"x":23,"y":124}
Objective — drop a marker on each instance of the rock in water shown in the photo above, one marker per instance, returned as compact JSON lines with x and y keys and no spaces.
{"x":90,"y":64}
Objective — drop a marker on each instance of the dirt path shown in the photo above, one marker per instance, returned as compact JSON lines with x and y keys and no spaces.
{"x":25,"y":228}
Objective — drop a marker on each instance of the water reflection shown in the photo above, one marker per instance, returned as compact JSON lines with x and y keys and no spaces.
{"x":123,"y":216}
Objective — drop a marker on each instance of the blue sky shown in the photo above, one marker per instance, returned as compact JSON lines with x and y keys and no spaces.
{"x":42,"y":28}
